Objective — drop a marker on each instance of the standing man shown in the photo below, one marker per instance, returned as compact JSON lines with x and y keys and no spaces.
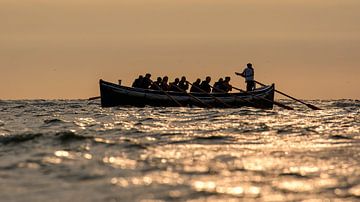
{"x":248,"y":73}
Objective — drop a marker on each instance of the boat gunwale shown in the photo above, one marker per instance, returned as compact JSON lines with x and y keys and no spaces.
{"x":256,"y":93}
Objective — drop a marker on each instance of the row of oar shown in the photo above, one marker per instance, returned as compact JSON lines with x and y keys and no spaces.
{"x":236,"y":97}
{"x":302,"y":102}
{"x":219,"y":100}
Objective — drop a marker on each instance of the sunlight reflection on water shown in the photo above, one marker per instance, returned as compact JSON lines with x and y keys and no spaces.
{"x":183,"y":154}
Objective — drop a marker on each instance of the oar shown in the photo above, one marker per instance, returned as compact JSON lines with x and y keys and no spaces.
{"x":215,"y":98}
{"x":197,"y":99}
{"x":307,"y":104}
{"x":236,"y":97}
{"x":167,"y":94}
{"x":274,"y":102}
{"x":94,"y":98}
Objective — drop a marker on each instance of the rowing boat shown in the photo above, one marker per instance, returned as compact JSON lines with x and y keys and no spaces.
{"x":117,"y":95}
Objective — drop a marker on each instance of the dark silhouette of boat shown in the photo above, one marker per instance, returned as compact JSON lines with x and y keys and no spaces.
{"x":118,"y":95}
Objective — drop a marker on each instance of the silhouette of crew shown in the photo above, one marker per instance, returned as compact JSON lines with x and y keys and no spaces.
{"x":205,"y":85}
{"x":138,"y":82}
{"x":156,"y":85}
{"x":195,"y":87}
{"x":183,"y":84}
{"x":174,"y":86}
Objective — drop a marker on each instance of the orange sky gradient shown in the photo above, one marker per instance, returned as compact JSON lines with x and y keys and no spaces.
{"x":60,"y":49}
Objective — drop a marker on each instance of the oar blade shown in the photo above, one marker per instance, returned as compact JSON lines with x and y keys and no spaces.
{"x":94,"y":98}
{"x":283,"y":106}
{"x":313,"y":106}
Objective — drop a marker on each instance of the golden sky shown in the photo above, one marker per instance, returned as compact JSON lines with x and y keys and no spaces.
{"x":60,"y":49}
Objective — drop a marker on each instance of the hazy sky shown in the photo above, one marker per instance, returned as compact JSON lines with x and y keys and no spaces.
{"x":60,"y":49}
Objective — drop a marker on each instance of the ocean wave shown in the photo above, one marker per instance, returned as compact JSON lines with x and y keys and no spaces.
{"x":53,"y":121}
{"x":69,"y":136}
{"x":345,"y":103}
{"x":63,"y":137}
{"x":179,"y":153}
{"x":19,"y":138}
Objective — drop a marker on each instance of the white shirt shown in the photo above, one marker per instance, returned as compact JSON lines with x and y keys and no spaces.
{"x":248,"y":74}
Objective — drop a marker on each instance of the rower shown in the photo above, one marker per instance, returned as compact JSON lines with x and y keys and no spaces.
{"x":138,"y":82}
{"x":164,"y":84}
{"x":218,"y":86}
{"x":146,"y":81}
{"x":183,"y":84}
{"x":205,"y":85}
{"x":174,"y":85}
{"x":156,"y":85}
{"x":226,"y":86}
{"x":248,"y":73}
{"x":195,"y":86}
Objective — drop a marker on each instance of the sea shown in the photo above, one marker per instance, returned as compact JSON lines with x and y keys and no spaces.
{"x":74,"y":150}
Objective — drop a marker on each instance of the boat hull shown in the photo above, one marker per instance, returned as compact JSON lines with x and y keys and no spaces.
{"x":116,"y":95}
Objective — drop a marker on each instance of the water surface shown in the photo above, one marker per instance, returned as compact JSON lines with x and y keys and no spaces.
{"x":74,"y":150}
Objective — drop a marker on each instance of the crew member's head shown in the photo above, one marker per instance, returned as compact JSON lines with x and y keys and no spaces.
{"x":208,"y":79}
{"x":165,"y":79}
{"x":249,"y":65}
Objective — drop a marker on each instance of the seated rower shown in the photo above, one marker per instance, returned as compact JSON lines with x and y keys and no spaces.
{"x":146,"y":81}
{"x":218,"y":86}
{"x":195,"y":87}
{"x":156,"y":85}
{"x":174,"y":85}
{"x":164,"y":84}
{"x":205,"y":85}
{"x":183,"y":84}
{"x":226,"y":86}
{"x":138,"y":82}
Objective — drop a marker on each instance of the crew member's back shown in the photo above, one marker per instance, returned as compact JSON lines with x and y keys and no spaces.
{"x":183,"y":84}
{"x":146,"y":81}
{"x":138,"y":82}
{"x":205,"y":85}
{"x":195,"y":87}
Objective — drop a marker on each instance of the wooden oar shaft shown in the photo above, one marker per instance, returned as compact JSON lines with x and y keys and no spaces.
{"x":236,"y":97}
{"x":291,"y":97}
{"x":307,"y":104}
{"x":274,"y":102}
{"x":197,"y":99}
{"x":167,"y":94}
{"x":94,"y":98}
{"x":215,"y":98}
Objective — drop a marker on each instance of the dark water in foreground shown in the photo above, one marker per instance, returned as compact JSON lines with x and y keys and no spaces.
{"x":76,"y":151}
